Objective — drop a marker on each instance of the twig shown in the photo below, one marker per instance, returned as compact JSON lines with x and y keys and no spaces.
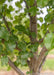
{"x":41,"y":40}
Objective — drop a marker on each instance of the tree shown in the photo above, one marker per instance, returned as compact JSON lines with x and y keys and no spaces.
{"x":21,"y":34}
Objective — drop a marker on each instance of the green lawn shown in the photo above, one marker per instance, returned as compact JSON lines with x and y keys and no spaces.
{"x":49,"y":64}
{"x":2,"y":67}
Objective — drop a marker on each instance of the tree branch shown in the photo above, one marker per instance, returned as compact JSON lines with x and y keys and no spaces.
{"x":33,"y":24}
{"x":52,"y":22}
{"x":11,"y":64}
{"x":41,"y":40}
{"x":35,"y":3}
{"x":26,"y":4}
{"x":41,"y":56}
{"x":3,"y":17}
{"x":6,"y":24}
{"x":15,"y":47}
{"x":44,"y":57}
{"x":42,"y":63}
{"x":14,"y":67}
{"x":33,"y":28}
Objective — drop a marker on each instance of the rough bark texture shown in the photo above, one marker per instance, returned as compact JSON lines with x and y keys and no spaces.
{"x":33,"y":27}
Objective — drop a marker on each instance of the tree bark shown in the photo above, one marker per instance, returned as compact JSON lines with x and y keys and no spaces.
{"x":33,"y":27}
{"x":33,"y":68}
{"x":36,"y":60}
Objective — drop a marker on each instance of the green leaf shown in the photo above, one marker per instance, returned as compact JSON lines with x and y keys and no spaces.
{"x":8,"y":68}
{"x":13,"y":38}
{"x":0,"y":16}
{"x":53,"y":43}
{"x":4,"y":34}
{"x":18,"y":4}
{"x":4,"y":60}
{"x":20,"y":28}
{"x":7,"y":11}
{"x":40,"y":19}
{"x":48,"y":41}
{"x":34,"y":47}
{"x":33,"y":34}
{"x":51,"y":27}
{"x":22,"y":45}
{"x":2,"y":1}
{"x":30,"y":2}
{"x":23,"y":62}
{"x":15,"y":22}
{"x":25,"y":56}
{"x":1,"y":48}
{"x":10,"y":46}
{"x":46,"y":53}
{"x":42,"y":3}
{"x":0,"y":40}
{"x":11,"y":8}
{"x":29,"y":72}
{"x":10,"y":0}
{"x":32,"y":10}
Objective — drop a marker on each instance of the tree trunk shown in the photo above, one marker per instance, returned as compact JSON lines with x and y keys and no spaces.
{"x":35,"y":73}
{"x":32,"y":67}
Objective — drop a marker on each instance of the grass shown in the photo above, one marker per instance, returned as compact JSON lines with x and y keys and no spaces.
{"x":49,"y":64}
{"x":3,"y":67}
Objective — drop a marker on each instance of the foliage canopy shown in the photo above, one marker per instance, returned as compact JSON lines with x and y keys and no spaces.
{"x":15,"y":29}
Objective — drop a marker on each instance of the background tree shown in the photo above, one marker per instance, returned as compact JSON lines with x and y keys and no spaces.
{"x":21,"y":34}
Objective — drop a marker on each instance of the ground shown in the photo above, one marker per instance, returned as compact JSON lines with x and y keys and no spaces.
{"x":14,"y":73}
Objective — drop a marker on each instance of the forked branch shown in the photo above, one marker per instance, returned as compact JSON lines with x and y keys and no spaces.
{"x":41,"y":57}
